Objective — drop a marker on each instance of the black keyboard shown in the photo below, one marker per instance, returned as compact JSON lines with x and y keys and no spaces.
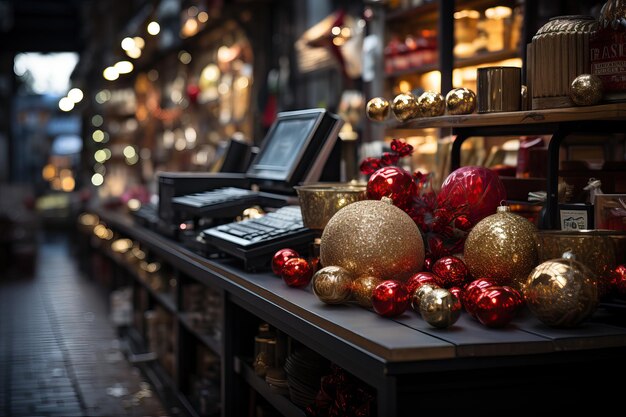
{"x":220,"y":201}
{"x":146,"y":215}
{"x":256,"y":240}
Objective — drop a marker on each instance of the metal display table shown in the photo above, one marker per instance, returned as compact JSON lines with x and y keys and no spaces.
{"x":411,"y":365}
{"x":560,"y":123}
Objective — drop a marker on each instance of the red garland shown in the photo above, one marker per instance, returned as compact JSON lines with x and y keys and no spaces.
{"x":443,"y":226}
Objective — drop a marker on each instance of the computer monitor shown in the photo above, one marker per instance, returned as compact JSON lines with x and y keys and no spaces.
{"x":295,"y":149}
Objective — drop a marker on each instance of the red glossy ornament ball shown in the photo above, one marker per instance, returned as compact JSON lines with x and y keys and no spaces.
{"x":297,"y":272}
{"x":618,"y":281}
{"x":457,"y":292}
{"x":428,"y":264}
{"x":390,"y":298}
{"x":496,"y":306}
{"x":393,"y":182}
{"x":282,"y":256}
{"x":473,"y":291}
{"x":478,"y":187}
{"x":451,"y":271}
{"x":420,"y":279}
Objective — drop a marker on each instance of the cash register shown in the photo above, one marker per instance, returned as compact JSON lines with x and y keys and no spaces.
{"x":294,"y":151}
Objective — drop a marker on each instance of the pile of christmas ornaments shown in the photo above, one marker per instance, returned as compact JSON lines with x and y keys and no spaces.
{"x":406,"y":106}
{"x":374,"y":254}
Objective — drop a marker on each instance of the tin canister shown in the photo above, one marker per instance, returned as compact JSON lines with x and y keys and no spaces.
{"x":499,"y":89}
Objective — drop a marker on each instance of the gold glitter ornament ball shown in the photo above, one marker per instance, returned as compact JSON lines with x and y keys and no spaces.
{"x":373,"y":237}
{"x":460,"y":101}
{"x":586,"y":90}
{"x":502,"y":247}
{"x":332,"y":285}
{"x":404,"y":107}
{"x":561,"y":292}
{"x":377,"y":109}
{"x":431,"y":104}
{"x":362,"y":289}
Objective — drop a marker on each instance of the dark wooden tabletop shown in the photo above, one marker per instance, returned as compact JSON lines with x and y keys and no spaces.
{"x":406,"y":338}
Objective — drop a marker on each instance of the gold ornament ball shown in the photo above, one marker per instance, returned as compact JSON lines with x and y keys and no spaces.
{"x":440,"y":308}
{"x":460,"y":101}
{"x":502,"y":247}
{"x":419,"y":294}
{"x":561,"y":292}
{"x":431,"y":104}
{"x":373,"y":237}
{"x":586,"y":90}
{"x":377,"y":109}
{"x":332,"y":285}
{"x":362,"y":289}
{"x":404,"y":107}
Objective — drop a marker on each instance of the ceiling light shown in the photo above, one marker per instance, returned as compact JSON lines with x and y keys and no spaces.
{"x":75,"y":94}
{"x":154,"y":28}
{"x":66,"y":104}
{"x":110,"y":74}
{"x":128,"y":44}
{"x":124,"y":67}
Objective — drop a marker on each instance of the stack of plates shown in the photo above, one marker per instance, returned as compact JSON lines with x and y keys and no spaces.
{"x":305,"y":369}
{"x":277,"y":381}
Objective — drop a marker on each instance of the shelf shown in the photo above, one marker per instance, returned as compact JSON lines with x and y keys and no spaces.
{"x":485,"y":58}
{"x":615,"y":111}
{"x":209,"y":341}
{"x":281,"y":403}
{"x":410,"y":12}
{"x":478,"y":59}
{"x":413,"y":71}
{"x":158,"y":377}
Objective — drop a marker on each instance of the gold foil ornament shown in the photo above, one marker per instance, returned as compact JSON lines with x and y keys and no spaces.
{"x":431,"y":104}
{"x":377,"y":109}
{"x":586,"y":90}
{"x":502,"y":247}
{"x":460,"y":101}
{"x":332,"y":285}
{"x":561,"y":292}
{"x":416,"y":298}
{"x":440,"y":308}
{"x":373,"y":237}
{"x":362,"y":288}
{"x":404,"y":107}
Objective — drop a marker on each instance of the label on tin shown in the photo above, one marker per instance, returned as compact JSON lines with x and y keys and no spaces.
{"x":608,"y":58}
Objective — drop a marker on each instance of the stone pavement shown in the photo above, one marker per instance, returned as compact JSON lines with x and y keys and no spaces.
{"x":59,"y":353}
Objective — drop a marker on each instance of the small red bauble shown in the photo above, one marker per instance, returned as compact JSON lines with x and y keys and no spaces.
{"x":457,"y":292}
{"x":496,"y":306}
{"x":473,"y":291}
{"x":297,"y":272}
{"x":618,"y":281}
{"x":428,"y":264}
{"x":390,"y":298}
{"x":282,"y":256}
{"x":420,"y":279}
{"x":393,"y":182}
{"x":477,"y":187}
{"x":451,"y":271}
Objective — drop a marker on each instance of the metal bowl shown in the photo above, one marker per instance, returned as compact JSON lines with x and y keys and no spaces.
{"x":320,"y":201}
{"x":599,"y":250}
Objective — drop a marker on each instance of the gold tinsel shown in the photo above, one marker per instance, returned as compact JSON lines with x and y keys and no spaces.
{"x":373,"y":237}
{"x":502,"y":247}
